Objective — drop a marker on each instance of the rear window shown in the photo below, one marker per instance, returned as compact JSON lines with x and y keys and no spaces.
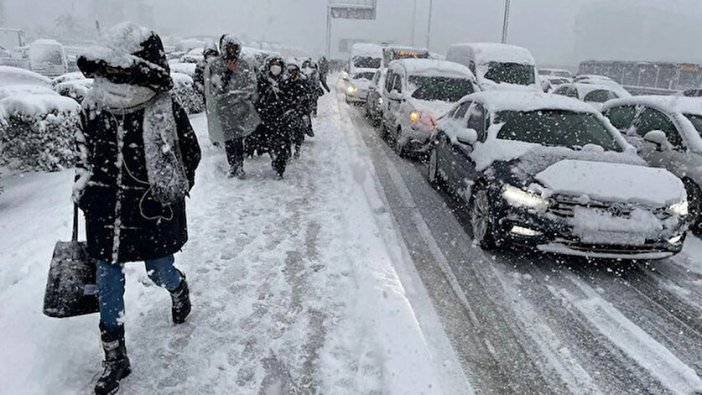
{"x":600,"y":96}
{"x":440,"y":88}
{"x":366,"y":62}
{"x":511,"y":73}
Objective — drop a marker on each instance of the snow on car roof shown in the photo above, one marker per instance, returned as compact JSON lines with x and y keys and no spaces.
{"x":495,"y":52}
{"x":585,"y":89}
{"x":432,"y":67}
{"x":13,"y":76}
{"x":367,"y":49}
{"x":670,"y":104}
{"x":496,"y":101}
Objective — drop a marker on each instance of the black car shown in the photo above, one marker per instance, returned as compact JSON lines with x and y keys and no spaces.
{"x":549,"y":172}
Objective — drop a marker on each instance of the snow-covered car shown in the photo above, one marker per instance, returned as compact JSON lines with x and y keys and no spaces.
{"x":374,"y":102}
{"x":15,"y":76}
{"x":75,"y":89}
{"x":594,"y":95}
{"x":613,"y":85}
{"x":691,"y":93}
{"x":559,"y":73}
{"x":497,"y":66}
{"x":48,"y":57}
{"x":365,"y":57}
{"x":22,"y":89}
{"x":193,"y":56}
{"x":551,"y":173}
{"x":357,"y":86}
{"x":666,"y":130}
{"x":549,"y":83}
{"x":73,"y":76}
{"x":416,"y":93}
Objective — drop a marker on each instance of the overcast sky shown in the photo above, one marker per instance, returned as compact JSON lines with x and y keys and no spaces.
{"x":547,"y":27}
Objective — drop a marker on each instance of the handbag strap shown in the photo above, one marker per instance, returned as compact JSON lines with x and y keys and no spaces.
{"x":75,"y":223}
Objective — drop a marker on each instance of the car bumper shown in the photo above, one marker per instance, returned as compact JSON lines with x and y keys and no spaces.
{"x":358,"y":96}
{"x":549,"y":233}
{"x":417,"y":139}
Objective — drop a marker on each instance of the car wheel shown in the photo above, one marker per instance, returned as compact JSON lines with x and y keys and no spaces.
{"x":694,"y":199}
{"x":482,"y":219}
{"x":383,"y":130}
{"x":433,"y":168}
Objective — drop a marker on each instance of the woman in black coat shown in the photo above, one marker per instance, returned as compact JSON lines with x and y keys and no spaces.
{"x":138,"y":159}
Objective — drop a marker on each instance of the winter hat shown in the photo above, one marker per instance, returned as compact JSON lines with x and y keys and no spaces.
{"x":129,"y":54}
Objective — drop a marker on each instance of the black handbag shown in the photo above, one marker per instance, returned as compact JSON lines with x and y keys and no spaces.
{"x":71,"y":287}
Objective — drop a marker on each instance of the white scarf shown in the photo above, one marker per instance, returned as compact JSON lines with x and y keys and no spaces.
{"x":118,"y":97}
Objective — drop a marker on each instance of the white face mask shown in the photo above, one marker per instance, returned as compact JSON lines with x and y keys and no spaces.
{"x":276,"y":70}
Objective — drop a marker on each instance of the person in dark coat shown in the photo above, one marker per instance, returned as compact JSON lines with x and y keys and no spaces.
{"x":210,"y":52}
{"x":297,"y":97}
{"x":138,"y":155}
{"x":311,"y":70}
{"x":272,"y":106}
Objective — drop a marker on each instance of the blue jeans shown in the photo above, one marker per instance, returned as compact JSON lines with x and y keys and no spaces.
{"x":110,"y":282}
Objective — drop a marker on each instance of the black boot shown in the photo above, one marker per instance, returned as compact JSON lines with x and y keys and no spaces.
{"x":116,"y":362}
{"x":181,"y":301}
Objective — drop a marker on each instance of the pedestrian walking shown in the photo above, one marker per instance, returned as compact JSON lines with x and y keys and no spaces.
{"x":138,"y":155}
{"x":297,"y":97}
{"x":324,"y":72}
{"x":210,"y":52}
{"x":230,"y":89}
{"x":311,"y":70}
{"x":272,"y":106}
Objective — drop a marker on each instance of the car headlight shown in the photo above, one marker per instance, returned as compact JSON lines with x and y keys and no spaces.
{"x":415,"y":116}
{"x":681,"y":208}
{"x":520,"y":198}
{"x":351,"y":89}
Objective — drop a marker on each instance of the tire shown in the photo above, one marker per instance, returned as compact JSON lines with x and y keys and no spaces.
{"x":694,"y":198}
{"x":482,"y":219}
{"x":433,"y":173}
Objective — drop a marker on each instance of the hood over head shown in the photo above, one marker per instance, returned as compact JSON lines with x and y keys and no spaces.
{"x":129,"y":54}
{"x":230,"y":47}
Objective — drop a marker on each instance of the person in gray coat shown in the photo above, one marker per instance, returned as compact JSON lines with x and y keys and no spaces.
{"x":230,"y":88}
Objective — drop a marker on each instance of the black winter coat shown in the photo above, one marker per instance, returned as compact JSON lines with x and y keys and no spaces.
{"x":145,"y":229}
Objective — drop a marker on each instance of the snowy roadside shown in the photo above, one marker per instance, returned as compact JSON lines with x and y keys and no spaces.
{"x":296,"y":285}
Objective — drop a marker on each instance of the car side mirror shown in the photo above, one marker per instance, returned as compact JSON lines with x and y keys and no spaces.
{"x":658,"y":138}
{"x":467,"y":136}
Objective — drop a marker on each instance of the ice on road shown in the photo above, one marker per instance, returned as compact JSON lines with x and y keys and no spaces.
{"x":295,"y":287}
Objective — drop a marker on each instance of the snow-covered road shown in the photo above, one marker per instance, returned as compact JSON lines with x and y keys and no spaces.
{"x":530,"y":323}
{"x":298,"y":285}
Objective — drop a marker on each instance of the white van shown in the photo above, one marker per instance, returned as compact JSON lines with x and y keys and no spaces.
{"x":48,"y":58}
{"x":497,"y":66}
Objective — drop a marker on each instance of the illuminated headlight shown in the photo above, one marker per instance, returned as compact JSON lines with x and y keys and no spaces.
{"x":522,"y":231}
{"x":520,"y":198}
{"x":680,"y":209}
{"x":675,"y":240}
{"x":351,"y":89}
{"x":415,"y":116}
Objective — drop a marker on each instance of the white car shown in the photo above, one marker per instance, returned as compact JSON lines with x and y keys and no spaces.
{"x":15,"y":76}
{"x":666,"y":130}
{"x":561,"y":73}
{"x":594,"y":95}
{"x":417,"y":92}
{"x":357,"y":85}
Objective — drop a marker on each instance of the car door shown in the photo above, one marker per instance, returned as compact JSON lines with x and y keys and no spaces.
{"x":622,"y":117}
{"x":647,"y":120}
{"x":445,"y":152}
{"x":389,"y":85}
{"x":394,"y":103}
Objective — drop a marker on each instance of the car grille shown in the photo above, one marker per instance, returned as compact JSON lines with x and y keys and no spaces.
{"x":564,"y":206}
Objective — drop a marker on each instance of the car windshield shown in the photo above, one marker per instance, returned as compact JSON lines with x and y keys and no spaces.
{"x":556,"y":128}
{"x":367,"y":62}
{"x":696,"y":122}
{"x":440,"y":88}
{"x":511,"y":73}
{"x":364,"y":76}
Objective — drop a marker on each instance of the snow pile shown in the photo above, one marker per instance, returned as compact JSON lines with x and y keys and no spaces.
{"x":14,"y":90}
{"x":184,"y":91}
{"x":16,"y":76}
{"x":74,"y":76}
{"x":38,"y":131}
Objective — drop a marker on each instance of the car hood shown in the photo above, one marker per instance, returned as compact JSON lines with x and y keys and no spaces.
{"x":362,"y":84}
{"x":435,"y":108}
{"x":612,"y":182}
